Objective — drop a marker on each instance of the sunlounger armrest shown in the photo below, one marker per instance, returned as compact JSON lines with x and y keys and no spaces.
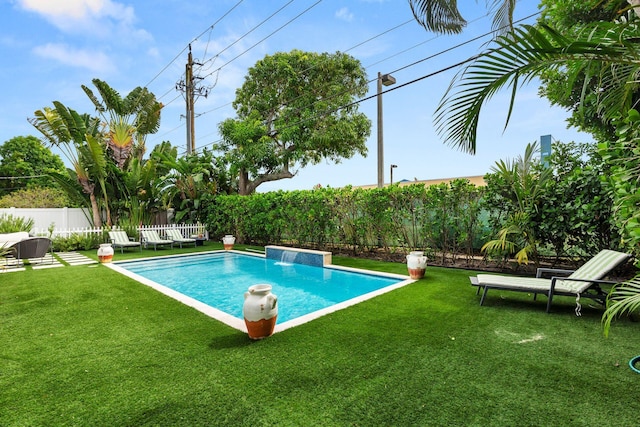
{"x":577,"y":279}
{"x":542,"y":270}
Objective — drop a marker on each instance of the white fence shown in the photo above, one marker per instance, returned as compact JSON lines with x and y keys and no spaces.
{"x":186,"y":230}
{"x":73,"y":221}
{"x":61,"y":218}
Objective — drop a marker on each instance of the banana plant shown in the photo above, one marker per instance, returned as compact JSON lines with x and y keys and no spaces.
{"x":71,"y":132}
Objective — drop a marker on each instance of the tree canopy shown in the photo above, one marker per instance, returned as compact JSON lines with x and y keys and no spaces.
{"x":23,"y":157}
{"x":295,"y":109}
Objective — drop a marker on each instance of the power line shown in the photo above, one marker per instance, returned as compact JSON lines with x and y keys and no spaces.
{"x":265,"y":38}
{"x":248,"y":32}
{"x":209,"y":28}
{"x":416,"y":80}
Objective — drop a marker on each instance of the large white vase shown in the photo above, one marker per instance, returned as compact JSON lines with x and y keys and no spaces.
{"x":228,"y":241}
{"x":260,"y":311}
{"x":105,"y":252}
{"x":416,"y":264}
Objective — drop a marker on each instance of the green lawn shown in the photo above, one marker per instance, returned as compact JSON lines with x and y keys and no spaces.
{"x":86,"y":346}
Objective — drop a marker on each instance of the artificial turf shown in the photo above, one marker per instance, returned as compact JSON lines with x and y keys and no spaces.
{"x":84,"y":346}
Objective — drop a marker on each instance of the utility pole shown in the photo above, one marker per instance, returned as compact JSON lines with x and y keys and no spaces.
{"x":190,"y":89}
{"x":190,"y":100}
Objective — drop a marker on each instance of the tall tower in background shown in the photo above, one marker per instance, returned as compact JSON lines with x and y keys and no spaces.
{"x":545,"y":149}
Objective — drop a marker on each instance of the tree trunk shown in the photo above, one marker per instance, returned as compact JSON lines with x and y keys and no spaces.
{"x":97,"y":220}
{"x":247,"y":187}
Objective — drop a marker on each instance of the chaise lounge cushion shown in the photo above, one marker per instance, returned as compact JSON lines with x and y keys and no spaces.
{"x":10,"y":239}
{"x":579,"y":283}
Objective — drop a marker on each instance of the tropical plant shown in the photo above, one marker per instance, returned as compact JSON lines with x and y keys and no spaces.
{"x":443,"y":16}
{"x":623,"y":299}
{"x":522,"y":184}
{"x":187,"y":180}
{"x":77,"y":136}
{"x":128,"y":120}
{"x":521,"y":55}
{"x":12,"y":224}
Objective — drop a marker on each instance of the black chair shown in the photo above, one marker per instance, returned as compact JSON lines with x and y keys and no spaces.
{"x":33,"y":247}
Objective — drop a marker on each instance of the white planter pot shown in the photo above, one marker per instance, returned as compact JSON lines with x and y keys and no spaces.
{"x":416,"y":264}
{"x":260,"y":311}
{"x":105,"y":253}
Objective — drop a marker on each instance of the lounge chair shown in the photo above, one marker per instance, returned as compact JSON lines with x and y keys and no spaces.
{"x":31,"y":248}
{"x":583,"y":282}
{"x":120,"y":239}
{"x":177,"y":237}
{"x":151,"y":237}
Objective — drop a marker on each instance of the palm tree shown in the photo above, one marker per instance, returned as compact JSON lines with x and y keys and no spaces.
{"x":128,"y":120}
{"x":78,"y":137}
{"x":443,"y":16}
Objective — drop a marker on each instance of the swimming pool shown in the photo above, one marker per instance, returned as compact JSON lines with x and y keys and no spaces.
{"x":215,"y":282}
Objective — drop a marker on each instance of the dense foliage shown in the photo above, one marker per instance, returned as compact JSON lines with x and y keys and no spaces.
{"x":295,"y":109}
{"x":25,"y":163}
{"x":442,"y":218}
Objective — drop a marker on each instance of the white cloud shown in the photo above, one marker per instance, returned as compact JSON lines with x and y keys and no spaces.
{"x":344,"y":14}
{"x":88,"y":17}
{"x":94,"y":61}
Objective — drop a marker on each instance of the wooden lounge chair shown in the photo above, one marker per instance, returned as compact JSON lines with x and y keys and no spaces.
{"x":151,"y":237}
{"x":177,"y":237}
{"x":583,"y":282}
{"x":120,"y":239}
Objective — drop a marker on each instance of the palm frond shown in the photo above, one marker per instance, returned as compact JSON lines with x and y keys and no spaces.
{"x":519,"y":57}
{"x":441,"y":16}
{"x":623,"y":299}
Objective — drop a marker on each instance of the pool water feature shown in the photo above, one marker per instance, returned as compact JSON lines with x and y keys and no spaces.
{"x":215,"y":282}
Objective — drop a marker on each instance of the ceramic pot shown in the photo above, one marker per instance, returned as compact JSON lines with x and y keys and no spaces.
{"x":105,"y":252}
{"x":260,"y":311}
{"x":228,"y":242}
{"x":416,"y":264}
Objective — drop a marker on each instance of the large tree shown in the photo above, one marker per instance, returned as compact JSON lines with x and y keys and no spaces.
{"x":295,"y":109}
{"x":28,"y":161}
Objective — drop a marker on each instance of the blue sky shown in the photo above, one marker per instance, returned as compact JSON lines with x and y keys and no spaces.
{"x":50,"y":48}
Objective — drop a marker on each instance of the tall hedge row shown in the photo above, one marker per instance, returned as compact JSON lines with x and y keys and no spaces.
{"x":443,"y":218}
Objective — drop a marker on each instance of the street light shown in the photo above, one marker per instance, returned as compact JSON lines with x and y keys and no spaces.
{"x":387,"y":80}
{"x":391,"y":170}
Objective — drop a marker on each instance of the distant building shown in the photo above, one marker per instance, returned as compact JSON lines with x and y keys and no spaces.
{"x":476,"y":180}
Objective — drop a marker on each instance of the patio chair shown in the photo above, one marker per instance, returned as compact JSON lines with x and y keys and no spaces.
{"x":177,"y":237}
{"x":31,"y":248}
{"x":120,"y":239}
{"x":583,"y":282}
{"x":151,"y":237}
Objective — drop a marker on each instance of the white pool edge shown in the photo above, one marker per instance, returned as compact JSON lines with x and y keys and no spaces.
{"x":239,"y":324}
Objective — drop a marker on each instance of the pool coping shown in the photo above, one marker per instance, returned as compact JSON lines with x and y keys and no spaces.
{"x":239,"y":324}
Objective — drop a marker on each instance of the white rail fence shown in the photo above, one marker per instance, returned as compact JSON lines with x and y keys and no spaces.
{"x":186,"y":230}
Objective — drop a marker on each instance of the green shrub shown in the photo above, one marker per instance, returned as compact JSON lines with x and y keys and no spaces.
{"x":13,"y":224}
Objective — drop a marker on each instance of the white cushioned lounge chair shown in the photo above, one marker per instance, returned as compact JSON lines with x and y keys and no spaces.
{"x":120,"y":239}
{"x":177,"y":237}
{"x":583,"y":282}
{"x":151,"y":237}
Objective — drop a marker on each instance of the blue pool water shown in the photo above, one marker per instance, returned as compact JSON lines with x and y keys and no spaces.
{"x":221,"y":279}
